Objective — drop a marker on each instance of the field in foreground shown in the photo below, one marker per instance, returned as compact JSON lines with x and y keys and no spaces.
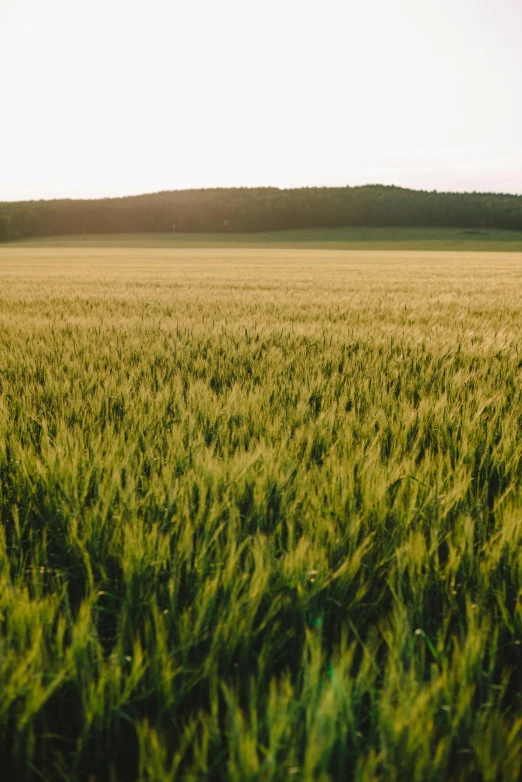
{"x":261,"y":515}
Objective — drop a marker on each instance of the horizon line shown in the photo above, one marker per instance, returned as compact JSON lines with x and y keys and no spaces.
{"x":261,"y":187}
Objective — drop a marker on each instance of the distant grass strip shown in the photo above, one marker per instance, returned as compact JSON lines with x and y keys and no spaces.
{"x":437,"y":239}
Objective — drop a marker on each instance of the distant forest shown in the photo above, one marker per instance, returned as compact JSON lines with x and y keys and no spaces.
{"x":259,"y":209}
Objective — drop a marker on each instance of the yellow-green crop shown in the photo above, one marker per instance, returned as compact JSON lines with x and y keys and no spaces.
{"x":261,"y":515}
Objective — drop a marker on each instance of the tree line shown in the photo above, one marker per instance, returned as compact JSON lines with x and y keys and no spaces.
{"x":260,"y":209}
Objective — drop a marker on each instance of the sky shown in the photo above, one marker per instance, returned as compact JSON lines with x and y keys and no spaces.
{"x":115,"y":97}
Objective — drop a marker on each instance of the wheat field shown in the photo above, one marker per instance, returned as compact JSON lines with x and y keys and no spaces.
{"x":261,"y":515}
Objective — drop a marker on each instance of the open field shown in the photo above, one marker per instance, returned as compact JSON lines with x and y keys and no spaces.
{"x":461,"y":239}
{"x":261,"y":514}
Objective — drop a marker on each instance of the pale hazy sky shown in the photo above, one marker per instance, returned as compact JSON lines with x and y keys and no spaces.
{"x":109,"y":97}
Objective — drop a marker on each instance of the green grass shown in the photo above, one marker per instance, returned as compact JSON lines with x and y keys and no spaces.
{"x":261,"y":515}
{"x":492,"y":240}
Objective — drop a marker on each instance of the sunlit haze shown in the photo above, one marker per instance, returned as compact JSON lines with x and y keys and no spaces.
{"x":113,"y":97}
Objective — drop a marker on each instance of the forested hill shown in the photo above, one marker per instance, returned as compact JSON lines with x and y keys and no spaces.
{"x":260,"y":209}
